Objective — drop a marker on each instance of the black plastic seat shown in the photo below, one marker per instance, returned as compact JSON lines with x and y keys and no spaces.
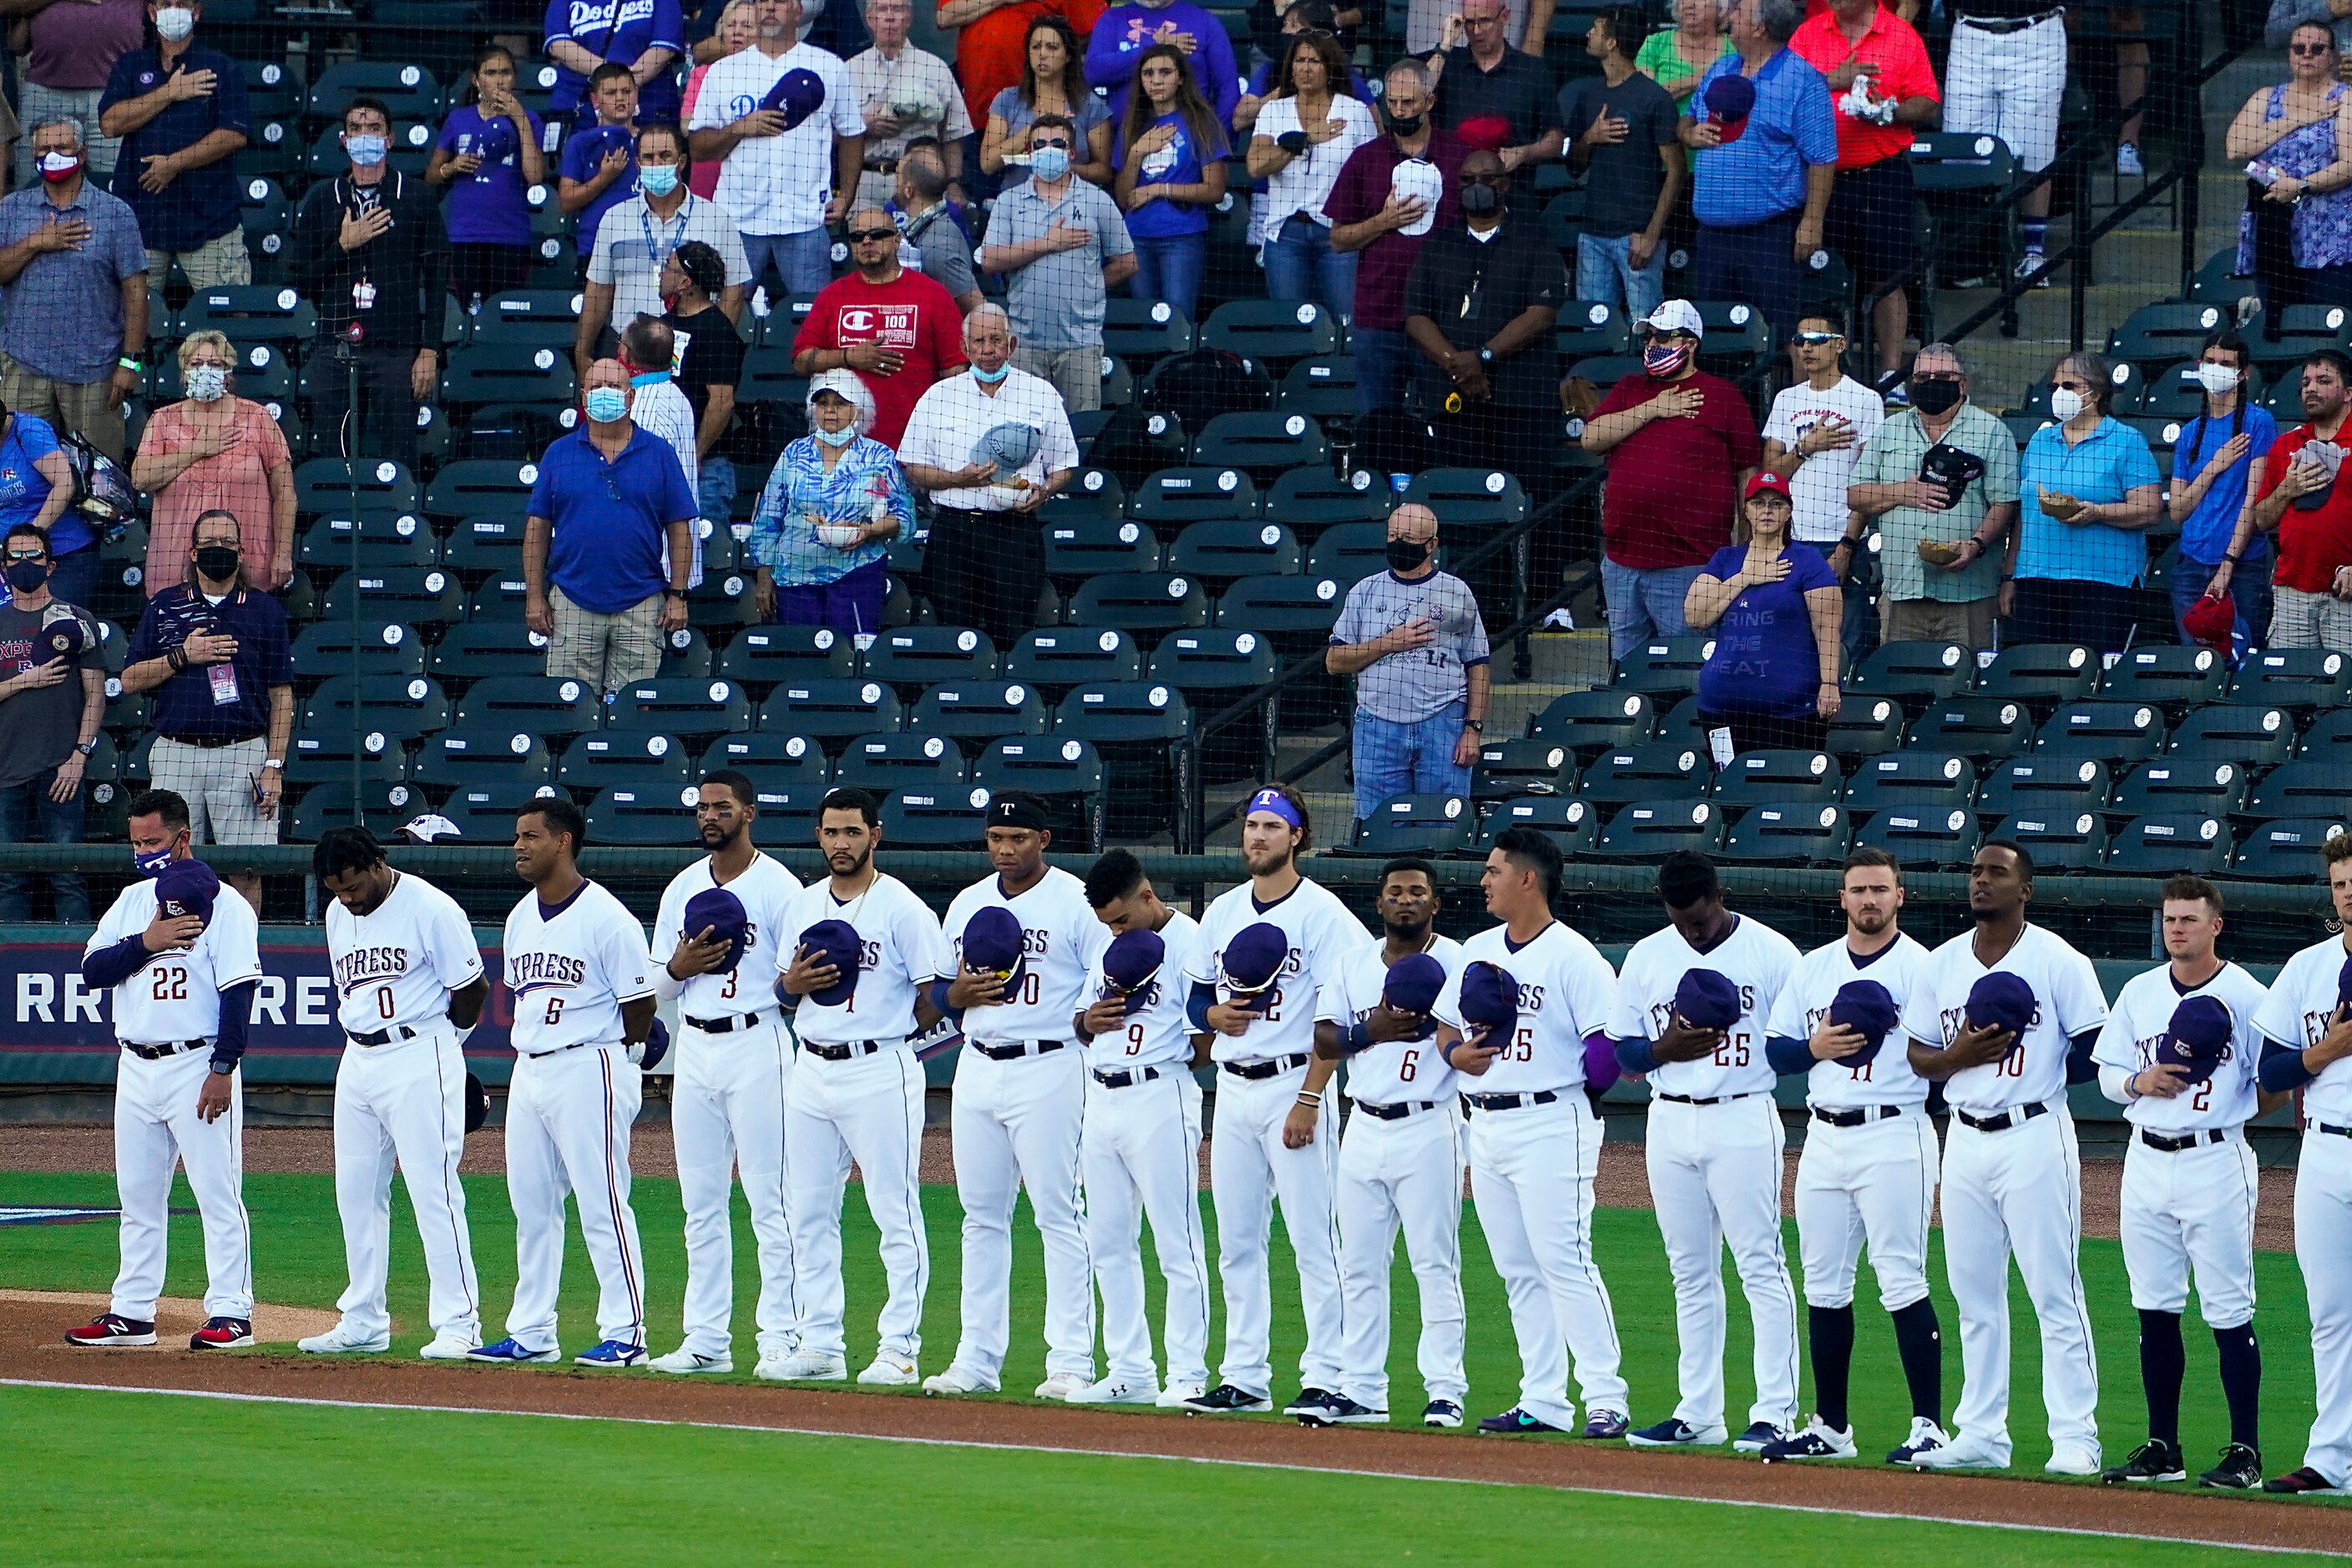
{"x":2118,"y":732}
{"x":2043,"y":785}
{"x":1572,"y":823}
{"x":2302,"y":789}
{"x":1589,"y":722}
{"x":1981,"y":728}
{"x":687,"y":707}
{"x":1788,"y":835}
{"x":2171,"y":676}
{"x":911,"y":658}
{"x":2166,"y":787}
{"x":1666,"y":666}
{"x":1916,"y":673}
{"x":886,"y":762}
{"x":2169,"y":845}
{"x":1058,"y":657}
{"x":1922,"y":839}
{"x":464,"y":755}
{"x":1780,"y":778}
{"x":974,"y":712}
{"x":1079,"y":548}
{"x":1650,"y":830}
{"x":1508,"y":769}
{"x":1661,"y":770}
{"x":770,"y":757}
{"x":627,"y":816}
{"x":2251,"y":735}
{"x":1428,"y":824}
{"x":2058,"y":840}
{"x":2296,"y":678}
{"x":1068,"y":775}
{"x":546,"y":705}
{"x":2044,"y":674}
{"x":760,"y":658}
{"x":1929,"y":782}
{"x":2286,"y":849}
{"x":606,"y":759}
{"x":1139,"y":603}
{"x":833,"y":711}
{"x":929,"y":816}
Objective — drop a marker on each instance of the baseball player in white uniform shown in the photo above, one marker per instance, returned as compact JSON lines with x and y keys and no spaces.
{"x":720,"y":925}
{"x":1274,"y":1136}
{"x":1534,"y":1138}
{"x":2307,"y":1025}
{"x":1401,"y":1154}
{"x":1141,"y":1153}
{"x":181,"y":959}
{"x":860,"y":952}
{"x":408,"y":987}
{"x":1691,"y":1004}
{"x":1023,"y":939}
{"x":1868,"y":1168}
{"x":2179,"y":1053}
{"x":2005,"y":1015}
{"x":583,"y":983}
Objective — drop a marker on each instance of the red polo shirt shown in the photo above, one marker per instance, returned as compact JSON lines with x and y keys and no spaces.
{"x":1893,"y":46}
{"x":2311,"y":544}
{"x":913,"y":314}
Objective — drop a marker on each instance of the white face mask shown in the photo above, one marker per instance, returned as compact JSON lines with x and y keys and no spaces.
{"x":2217,"y":379}
{"x":2064,"y":403}
{"x":174,"y":23}
{"x":207,"y":383}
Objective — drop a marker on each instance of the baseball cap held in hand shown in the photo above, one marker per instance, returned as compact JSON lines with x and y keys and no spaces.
{"x":1490,"y":1001}
{"x":2002,"y":1001}
{"x":1253,"y":962}
{"x":721,"y":912}
{"x":186,"y":887}
{"x":1730,"y":99}
{"x":1412,"y":986}
{"x":1868,"y":1008}
{"x":2197,"y":1037}
{"x":1707,"y":1000}
{"x":992,"y":944}
{"x":834,"y":943}
{"x":1131,"y":963}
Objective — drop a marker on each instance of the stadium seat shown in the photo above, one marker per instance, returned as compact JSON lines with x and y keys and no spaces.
{"x":1078,"y":548}
{"x":530,"y":319}
{"x":1865,"y":727}
{"x":690,"y":709}
{"x":1570,"y":823}
{"x":2058,"y":840}
{"x":2168,"y":844}
{"x":2286,"y":849}
{"x":1587,"y":328}
{"x":1297,"y":609}
{"x":1347,"y":552}
{"x":1665,"y":667}
{"x":321,"y":757}
{"x":503,"y":599}
{"x":408,"y":90}
{"x":1057,"y":659}
{"x":2251,"y":734}
{"x":1916,"y":673}
{"x":1982,"y":729}
{"x":974,"y":712}
{"x":386,"y":648}
{"x":465,"y":755}
{"x":1658,"y":771}
{"x":2302,"y":789}
{"x":1426,"y":824}
{"x":335,"y":486}
{"x":382,"y":808}
{"x":686,"y":654}
{"x":2301,"y":678}
{"x":641,"y":759}
{"x":542,"y":704}
{"x":249,"y":314}
{"x":1922,"y":839}
{"x":723,"y":600}
{"x":1469,"y":498}
{"x":1507,"y":769}
{"x":377,"y":540}
{"x":2169,"y":675}
{"x":936,"y":816}
{"x":2303,"y":329}
{"x":482,"y":373}
{"x":2044,"y":674}
{"x":1274,"y":332}
{"x":477,"y":650}
{"x":1262,"y":444}
{"x":831,"y":710}
{"x":1788,"y":835}
{"x":2171,"y":787}
{"x":2042,"y":785}
{"x":1917,"y":781}
{"x":1174,"y":497}
{"x":482,"y":488}
{"x":1140,"y":331}
{"x":1139,"y":603}
{"x":770,"y":757}
{"x":1737,"y":336}
{"x":1322,"y":386}
{"x":882,"y":762}
{"x":401,"y":708}
{"x":2164,"y":333}
{"x":412,"y":146}
{"x":1139,"y":727}
{"x":484,"y":812}
{"x":1780,"y":778}
{"x":264,"y":372}
{"x":1311,"y":500}
{"x":1589,"y":722}
{"x":1068,"y":775}
{"x":1647,"y":832}
{"x":1094,"y":493}
{"x":913,"y":658}
{"x":758,"y":658}
{"x":625,"y":817}
{"x":1219,"y":554}
{"x":2119,"y":732}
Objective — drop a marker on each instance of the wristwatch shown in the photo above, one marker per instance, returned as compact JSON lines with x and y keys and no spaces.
{"x":222,"y":1069}
{"x":87,"y":748}
{"x":1477,"y":724}
{"x":1485,"y":356}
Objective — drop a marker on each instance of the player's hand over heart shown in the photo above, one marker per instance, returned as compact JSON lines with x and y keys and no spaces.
{"x":167,"y":932}
{"x":1835,"y":1042}
{"x":975,"y":988}
{"x":809,"y":973}
{"x":695,"y":955}
{"x":1683,"y":1042}
{"x":1976,"y":1047}
{"x":1106,"y":1016}
{"x":2337,"y":1043}
{"x":1387,"y":1024}
{"x":2164,"y":1080}
{"x":1474,"y":1055}
{"x":1229,"y":1020}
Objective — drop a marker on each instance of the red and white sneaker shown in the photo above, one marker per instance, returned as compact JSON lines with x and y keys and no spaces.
{"x":112,"y":1331}
{"x":221,"y":1334}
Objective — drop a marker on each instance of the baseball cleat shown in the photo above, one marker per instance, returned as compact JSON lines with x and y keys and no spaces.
{"x":342,"y":1341}
{"x":512,"y":1348}
{"x":2241,"y":1469}
{"x":2304,"y":1482}
{"x":1117,"y":1390}
{"x":1226,"y":1400}
{"x":451,"y":1346}
{"x":1515,"y":1423}
{"x":113,"y":1331}
{"x":1926,"y":1437}
{"x":1442,"y":1413}
{"x":1675,"y":1432}
{"x":221,"y":1334}
{"x":2073,"y":1459}
{"x":887,"y":1371}
{"x":1604,"y":1426}
{"x":1339,"y":1410}
{"x":1064,"y":1385}
{"x":1966,"y":1452}
{"x":1179,"y":1394}
{"x":683,"y":1360}
{"x":1760,"y":1435}
{"x":802,"y":1366}
{"x":957,"y":1380}
{"x":1819,"y":1440}
{"x":1311,"y":1403}
{"x":2153,"y":1460}
{"x":611,"y":1353}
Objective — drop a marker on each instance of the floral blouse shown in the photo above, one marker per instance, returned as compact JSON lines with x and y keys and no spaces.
{"x":865,"y":486}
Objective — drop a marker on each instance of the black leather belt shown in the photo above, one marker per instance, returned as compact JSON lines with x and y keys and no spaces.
{"x":167,"y":1049}
{"x":729,"y":1024}
{"x":384,"y":1037}
{"x":2002,"y":28}
{"x":2005,"y":1121}
{"x":2164,"y":1146}
{"x":1127,"y":1077}
{"x":1511,"y":1101}
{"x":1716,"y":1099}
{"x":2330,"y":1128}
{"x":1257,"y":1071}
{"x":541,"y":1056}
{"x":1017,"y":1050}
{"x":211,"y":742}
{"x":842,"y":1053}
{"x":1396,"y":1113}
{"x":1857,"y":1116}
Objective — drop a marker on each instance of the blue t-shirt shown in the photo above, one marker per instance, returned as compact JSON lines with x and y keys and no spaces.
{"x":23,"y":489}
{"x":487,"y":207}
{"x":1765,"y":661}
{"x":583,"y":152}
{"x":609,"y":546}
{"x":617,"y":31}
{"x":1762,"y":174}
{"x":2113,"y":459}
{"x":2205,"y":532}
{"x":1178,"y":163}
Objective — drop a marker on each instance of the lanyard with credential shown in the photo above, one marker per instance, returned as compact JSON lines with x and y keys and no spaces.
{"x":660,"y":255}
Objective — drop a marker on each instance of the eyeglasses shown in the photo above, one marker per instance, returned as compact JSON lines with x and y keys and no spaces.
{"x":1815,"y":339}
{"x":861,"y":236}
{"x":2056,"y":386}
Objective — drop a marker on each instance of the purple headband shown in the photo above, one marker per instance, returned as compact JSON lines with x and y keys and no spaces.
{"x":1271,"y":800}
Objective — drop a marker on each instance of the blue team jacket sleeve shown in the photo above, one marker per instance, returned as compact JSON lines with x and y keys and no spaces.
{"x":235,"y":1009}
{"x":1634,"y":1055}
{"x":2079,"y":1067}
{"x":1788,"y":1055}
{"x":1196,"y":1010}
{"x":2282,"y":1070}
{"x":110,"y":966}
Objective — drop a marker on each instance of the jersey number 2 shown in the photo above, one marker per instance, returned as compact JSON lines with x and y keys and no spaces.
{"x":171,"y":984}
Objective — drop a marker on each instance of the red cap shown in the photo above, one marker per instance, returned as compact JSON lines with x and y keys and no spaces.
{"x":1765,"y":479}
{"x":2213,"y":621}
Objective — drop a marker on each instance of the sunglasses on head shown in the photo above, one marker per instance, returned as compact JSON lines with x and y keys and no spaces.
{"x":1815,"y":339}
{"x":863,"y":234}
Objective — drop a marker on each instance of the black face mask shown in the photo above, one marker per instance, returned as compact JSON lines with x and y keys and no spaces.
{"x":1404,"y":124}
{"x":1407,"y":554}
{"x":1480,"y":198}
{"x":27,"y":576}
{"x":1937,"y":399}
{"x":216,"y":562}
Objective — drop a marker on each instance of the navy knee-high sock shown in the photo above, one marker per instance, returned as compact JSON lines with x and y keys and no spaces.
{"x":1830,"y":1328}
{"x":2242,"y":1382}
{"x":1919,"y":1341}
{"x":2162,"y":1365}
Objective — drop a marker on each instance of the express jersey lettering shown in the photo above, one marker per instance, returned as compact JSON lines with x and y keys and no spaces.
{"x":1885,"y":1079}
{"x":2067,"y":1003}
{"x":1566,"y":992}
{"x":571,"y":969}
{"x":2297,"y":1013}
{"x":396,"y":965}
{"x":1060,"y":938}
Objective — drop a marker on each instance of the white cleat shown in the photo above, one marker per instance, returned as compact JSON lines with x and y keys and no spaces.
{"x":683,"y":1360}
{"x":957,"y":1380}
{"x":1967,"y":1452}
{"x":1113,"y":1390}
{"x":802,"y":1366}
{"x":889,"y":1371}
{"x":342,"y":1341}
{"x":451,"y":1346}
{"x":1176,"y":1393}
{"x":1926,"y":1437}
{"x":1065,"y":1386}
{"x":2073,"y":1459}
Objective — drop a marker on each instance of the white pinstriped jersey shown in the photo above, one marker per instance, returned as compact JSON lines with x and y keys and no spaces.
{"x":1753,"y":957}
{"x":1156,"y":1032}
{"x":1566,"y":991}
{"x":2302,"y":1001}
{"x":572,"y":968}
{"x":1887,"y":1078}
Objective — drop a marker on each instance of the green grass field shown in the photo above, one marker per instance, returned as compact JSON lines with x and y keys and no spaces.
{"x":495,"y":1487}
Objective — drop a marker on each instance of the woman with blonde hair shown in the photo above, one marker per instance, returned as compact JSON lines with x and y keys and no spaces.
{"x":835,"y":499}
{"x":214,"y":451}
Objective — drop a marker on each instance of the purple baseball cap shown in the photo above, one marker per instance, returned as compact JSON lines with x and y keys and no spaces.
{"x":1707,"y":1000}
{"x":2003,"y":999}
{"x":717,"y":910}
{"x":834,"y":942}
{"x":1253,"y":962}
{"x":186,"y":887}
{"x":2197,"y":1037}
{"x":1868,"y":1008}
{"x":992,"y":944}
{"x":1131,"y":964}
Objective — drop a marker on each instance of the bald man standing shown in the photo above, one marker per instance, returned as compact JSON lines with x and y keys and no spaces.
{"x":899,"y":330}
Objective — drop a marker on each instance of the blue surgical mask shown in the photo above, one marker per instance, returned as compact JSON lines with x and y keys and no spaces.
{"x":841,"y":437}
{"x":368,"y":151}
{"x":990,"y":377}
{"x":1050,"y":163}
{"x":650,"y":378}
{"x":606,"y":404}
{"x":657,"y":179}
{"x":150,"y":863}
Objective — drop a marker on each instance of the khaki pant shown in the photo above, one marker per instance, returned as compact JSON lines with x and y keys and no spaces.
{"x":217,"y":782}
{"x":2310,"y":620}
{"x":603,"y":652}
{"x":1967,"y":621}
{"x":1076,"y":373}
{"x":220,"y":262}
{"x":67,"y":405}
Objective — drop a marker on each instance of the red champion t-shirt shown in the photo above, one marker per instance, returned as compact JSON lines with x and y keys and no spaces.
{"x":1669,"y":499}
{"x":913,"y":314}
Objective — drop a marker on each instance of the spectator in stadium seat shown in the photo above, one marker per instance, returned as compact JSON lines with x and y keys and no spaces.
{"x":599,"y":167}
{"x":1939,"y":556}
{"x":1674,"y":56}
{"x":1118,"y":43}
{"x":1772,"y":679}
{"x":369,"y":250}
{"x":2215,"y":456}
{"x":731,"y":34}
{"x":897,"y":330}
{"x":659,"y":408}
{"x":2088,"y":489}
{"x":1300,"y":142}
{"x":1171,"y":152}
{"x":625,"y":274}
{"x":1061,"y":245}
{"x":1621,"y":137}
{"x":2295,"y":239}
{"x":608,"y":542}
{"x":996,"y":44}
{"x":1479,"y":308}
{"x":1815,"y":431}
{"x":1762,"y":182}
{"x":68,"y":51}
{"x":1495,"y":97}
{"x":211,"y":452}
{"x":50,"y":710}
{"x":1053,"y":82}
{"x":938,"y":249}
{"x":905,"y":93}
{"x":2005,"y":76}
{"x":2311,"y":512}
{"x":1393,"y":191}
{"x":833,"y":503}
{"x":776,"y":173}
{"x":709,"y":362}
{"x":1677,"y":440}
{"x":1426,"y":20}
{"x":76,"y":275}
{"x":180,"y":112}
{"x":986,"y":557}
{"x":1413,"y":637}
{"x":488,"y":154}
{"x":215,"y":650}
{"x":582,"y":36}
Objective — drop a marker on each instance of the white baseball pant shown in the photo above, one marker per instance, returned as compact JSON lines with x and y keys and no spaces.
{"x":1402,"y":1174}
{"x":155,"y":1127}
{"x":568,"y":1116}
{"x":1249,"y":1168}
{"x":727,"y":1114}
{"x":2008,"y":85}
{"x":2323,"y":1245}
{"x":2019,"y":1190}
{"x":1141,"y":1155}
{"x":1715,"y":1176}
{"x":1015,"y":1125}
{"x":404,"y":1103}
{"x":1874,"y":1183}
{"x":2193,"y":1208}
{"x":868,"y":1108}
{"x":1531,"y":1173}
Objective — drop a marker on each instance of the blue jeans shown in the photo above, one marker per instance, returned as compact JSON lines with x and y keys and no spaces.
{"x":1383,"y":362}
{"x":1605,"y":275}
{"x":1299,"y":257}
{"x":1169,"y":268}
{"x":804,"y":261}
{"x":1394,"y":759}
{"x":2250,"y":590}
{"x":1644,"y":603}
{"x":27,"y":815}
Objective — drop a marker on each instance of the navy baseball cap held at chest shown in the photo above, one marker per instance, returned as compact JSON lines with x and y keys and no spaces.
{"x":1707,"y":1000}
{"x":2197,"y":1037}
{"x":1412,"y":986}
{"x":186,"y":887}
{"x":1253,"y":962}
{"x":1131,"y":963}
{"x":1868,"y":1009}
{"x":834,"y":943}
{"x":1490,"y":998}
{"x":992,"y":944}
{"x":721,"y":913}
{"x":2002,"y":1001}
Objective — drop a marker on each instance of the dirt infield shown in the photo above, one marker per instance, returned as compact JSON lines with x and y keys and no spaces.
{"x":176,"y":1317}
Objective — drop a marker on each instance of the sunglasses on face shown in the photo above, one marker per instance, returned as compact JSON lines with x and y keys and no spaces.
{"x":2308,"y":49}
{"x":1041,"y":146}
{"x":1815,"y":339}
{"x":862,"y":236}
{"x":15,"y":555}
{"x":2070,"y":386}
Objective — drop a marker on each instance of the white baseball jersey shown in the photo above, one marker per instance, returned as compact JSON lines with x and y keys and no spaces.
{"x":2067,"y":999}
{"x":1391,"y":1070}
{"x":1753,"y":957}
{"x":1059,"y":937}
{"x":1566,"y":992}
{"x":396,"y":965}
{"x":175,"y":994}
{"x":1887,"y":1078}
{"x":1156,"y":1032}
{"x":2296,"y":1013}
{"x":2137,"y":1023}
{"x":1321,"y":934}
{"x":572,"y":967}
{"x":902,"y":951}
{"x":767,"y":890}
